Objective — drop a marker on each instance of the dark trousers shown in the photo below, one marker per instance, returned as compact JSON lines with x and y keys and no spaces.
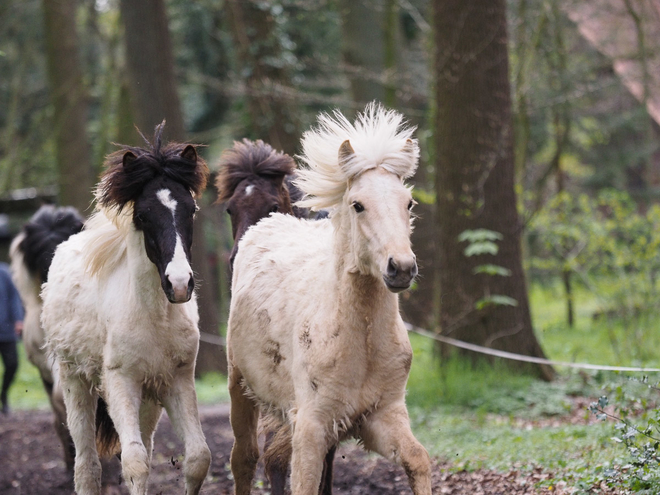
{"x":9,"y":355}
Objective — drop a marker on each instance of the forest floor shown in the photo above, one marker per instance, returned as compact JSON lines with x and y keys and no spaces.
{"x":30,"y":464}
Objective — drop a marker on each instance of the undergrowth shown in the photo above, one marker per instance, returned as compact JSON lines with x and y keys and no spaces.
{"x":488,"y":416}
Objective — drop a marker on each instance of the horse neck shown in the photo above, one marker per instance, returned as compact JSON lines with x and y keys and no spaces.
{"x":362,"y":295}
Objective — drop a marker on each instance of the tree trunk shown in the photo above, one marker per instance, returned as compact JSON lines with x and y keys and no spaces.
{"x":271,"y":104}
{"x":69,"y":97}
{"x":475,"y":179}
{"x":154,"y":96}
{"x":150,"y":64}
{"x":364,"y":48}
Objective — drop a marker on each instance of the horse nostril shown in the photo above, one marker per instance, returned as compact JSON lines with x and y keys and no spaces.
{"x":191,"y":285}
{"x":392,"y":268}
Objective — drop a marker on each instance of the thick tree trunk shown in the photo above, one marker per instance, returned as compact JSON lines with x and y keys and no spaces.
{"x":69,"y":98}
{"x":475,"y":178}
{"x":154,"y":97}
{"x":150,"y":63}
{"x":271,"y":104}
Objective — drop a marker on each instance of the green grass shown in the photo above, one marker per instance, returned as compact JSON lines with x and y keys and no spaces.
{"x":212,"y":388}
{"x":471,"y":440}
{"x":471,"y":414}
{"x":604,"y":340}
{"x":27,"y":391}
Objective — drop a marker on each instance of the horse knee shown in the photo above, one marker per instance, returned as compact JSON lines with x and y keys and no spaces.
{"x":197,"y":463}
{"x":243,"y":462}
{"x":87,"y":475}
{"x":135,"y":464}
{"x":417,"y":464}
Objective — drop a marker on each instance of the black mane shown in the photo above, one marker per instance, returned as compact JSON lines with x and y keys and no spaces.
{"x":250,"y":159}
{"x":47,"y":228}
{"x":130,"y":168}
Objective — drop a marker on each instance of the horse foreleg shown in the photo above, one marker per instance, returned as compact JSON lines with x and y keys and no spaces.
{"x":310,"y":446}
{"x":244,"y":417}
{"x":124,"y":397}
{"x":277,"y":457}
{"x":150,"y":413}
{"x":80,"y":400}
{"x":387,"y":431}
{"x":181,"y":406}
{"x":57,"y":403}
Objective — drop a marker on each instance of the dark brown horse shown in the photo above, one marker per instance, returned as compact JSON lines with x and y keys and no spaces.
{"x":254,"y":181}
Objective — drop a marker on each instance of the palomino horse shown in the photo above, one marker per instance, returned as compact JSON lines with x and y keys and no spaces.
{"x":31,"y":253}
{"x":314,"y":329}
{"x":255,"y":181}
{"x":121,"y":318}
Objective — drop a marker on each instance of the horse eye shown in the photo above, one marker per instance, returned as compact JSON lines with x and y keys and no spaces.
{"x":274,"y":209}
{"x":411,"y":204}
{"x":228,"y":211}
{"x":358,"y":207}
{"x":139,"y":218}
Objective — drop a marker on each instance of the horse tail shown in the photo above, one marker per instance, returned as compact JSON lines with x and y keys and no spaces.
{"x":47,"y":229}
{"x":107,"y":439}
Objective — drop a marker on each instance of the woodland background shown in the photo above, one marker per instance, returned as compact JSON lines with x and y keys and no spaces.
{"x":536,"y":119}
{"x":538,"y":191}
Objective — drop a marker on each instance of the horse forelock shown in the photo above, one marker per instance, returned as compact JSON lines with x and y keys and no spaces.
{"x":122,"y":182}
{"x":378,"y":138}
{"x":249,"y":159}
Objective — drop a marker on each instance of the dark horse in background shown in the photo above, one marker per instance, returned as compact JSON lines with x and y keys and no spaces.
{"x":254,"y":181}
{"x":31,"y":254}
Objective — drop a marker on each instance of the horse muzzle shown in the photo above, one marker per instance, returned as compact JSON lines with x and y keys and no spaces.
{"x":178,"y":291}
{"x":400,"y":274}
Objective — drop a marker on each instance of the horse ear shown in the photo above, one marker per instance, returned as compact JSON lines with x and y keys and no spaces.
{"x":189,"y":153}
{"x":346,"y":151}
{"x":410,"y":148}
{"x":129,"y":156}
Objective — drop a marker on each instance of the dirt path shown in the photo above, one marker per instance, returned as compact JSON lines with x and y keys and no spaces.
{"x":31,"y":464}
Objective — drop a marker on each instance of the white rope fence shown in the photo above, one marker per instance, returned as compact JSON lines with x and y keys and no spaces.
{"x":218,"y":340}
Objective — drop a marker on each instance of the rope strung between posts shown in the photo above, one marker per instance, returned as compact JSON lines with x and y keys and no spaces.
{"x":519,"y":357}
{"x":217,"y":340}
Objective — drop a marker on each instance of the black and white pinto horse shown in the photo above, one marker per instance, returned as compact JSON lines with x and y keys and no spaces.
{"x":31,"y":253}
{"x":121,"y":318}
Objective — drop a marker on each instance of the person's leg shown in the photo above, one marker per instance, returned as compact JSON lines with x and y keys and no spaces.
{"x":10,"y":359}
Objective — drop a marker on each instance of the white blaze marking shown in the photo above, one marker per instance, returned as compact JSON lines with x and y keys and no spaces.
{"x":178,"y":270}
{"x":248,"y":189}
{"x":165,"y":197}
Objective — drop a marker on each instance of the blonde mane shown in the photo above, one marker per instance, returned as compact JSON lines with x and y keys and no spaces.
{"x":105,"y":245}
{"x":379,"y":138}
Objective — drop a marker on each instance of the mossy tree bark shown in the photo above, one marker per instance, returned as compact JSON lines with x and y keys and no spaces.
{"x":475,"y":180}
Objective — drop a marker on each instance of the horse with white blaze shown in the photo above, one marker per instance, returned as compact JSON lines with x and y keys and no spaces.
{"x":315,"y":333}
{"x":120,"y":316}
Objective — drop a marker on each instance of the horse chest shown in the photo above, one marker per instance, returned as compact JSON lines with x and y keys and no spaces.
{"x":355,"y":372}
{"x":152,"y":348}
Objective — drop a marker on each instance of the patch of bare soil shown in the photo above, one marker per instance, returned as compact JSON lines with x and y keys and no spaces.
{"x":31,"y":464}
